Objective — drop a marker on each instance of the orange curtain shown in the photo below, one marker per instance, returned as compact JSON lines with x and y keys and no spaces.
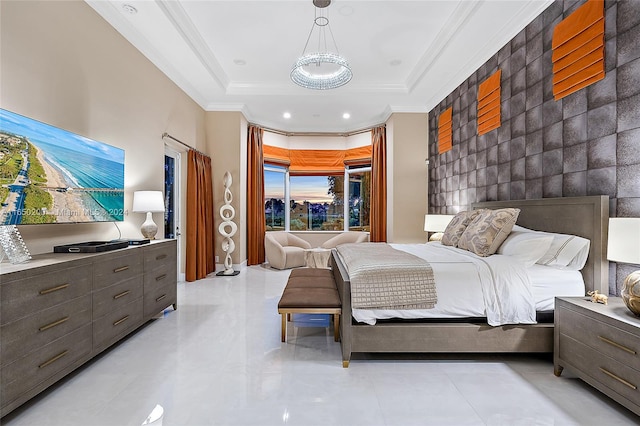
{"x":316,"y":162}
{"x":378,"y":219}
{"x":357,"y":156}
{"x":200,"y":228}
{"x":255,"y":197}
{"x":275,"y":155}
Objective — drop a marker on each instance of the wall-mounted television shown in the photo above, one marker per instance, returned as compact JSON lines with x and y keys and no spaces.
{"x":50,"y":175}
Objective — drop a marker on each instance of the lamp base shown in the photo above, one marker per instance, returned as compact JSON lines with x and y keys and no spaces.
{"x":227,"y":273}
{"x":631,"y":292}
{"x":149,"y":229}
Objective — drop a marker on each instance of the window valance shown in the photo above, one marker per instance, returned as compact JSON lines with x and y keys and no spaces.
{"x":316,"y":161}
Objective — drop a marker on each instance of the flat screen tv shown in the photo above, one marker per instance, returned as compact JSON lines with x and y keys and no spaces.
{"x":50,"y":175}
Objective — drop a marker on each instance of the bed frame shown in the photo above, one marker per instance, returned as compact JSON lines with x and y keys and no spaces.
{"x":583,"y":216}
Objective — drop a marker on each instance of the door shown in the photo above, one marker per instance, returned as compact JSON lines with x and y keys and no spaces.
{"x":172,"y":200}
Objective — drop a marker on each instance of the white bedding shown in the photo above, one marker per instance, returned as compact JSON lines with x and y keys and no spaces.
{"x":548,"y":283}
{"x":495,"y":287}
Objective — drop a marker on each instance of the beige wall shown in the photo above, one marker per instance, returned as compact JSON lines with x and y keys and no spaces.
{"x":226,"y":143}
{"x":407,"y":140}
{"x":62,"y":64}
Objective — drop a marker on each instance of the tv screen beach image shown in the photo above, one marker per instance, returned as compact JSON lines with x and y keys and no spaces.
{"x":50,"y":175}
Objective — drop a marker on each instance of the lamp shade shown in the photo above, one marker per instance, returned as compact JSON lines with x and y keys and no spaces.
{"x":436,"y":222}
{"x":624,"y":240}
{"x":148,"y":201}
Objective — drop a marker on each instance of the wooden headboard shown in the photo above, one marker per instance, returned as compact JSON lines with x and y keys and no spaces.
{"x":587,"y":217}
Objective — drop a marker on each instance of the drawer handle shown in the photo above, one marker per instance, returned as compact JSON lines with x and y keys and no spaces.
{"x":54,"y":359}
{"x":52,"y":289}
{"x":161,"y":277}
{"x":621,"y":380}
{"x":121,"y":320}
{"x":124,"y":293}
{"x":120,"y":269}
{"x":53,"y":324}
{"x":617,"y":345}
{"x":161,"y":256}
{"x":161,"y":297}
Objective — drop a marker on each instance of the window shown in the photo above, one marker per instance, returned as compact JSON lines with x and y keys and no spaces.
{"x":316,"y":203}
{"x":275,"y":197}
{"x":359,"y":193}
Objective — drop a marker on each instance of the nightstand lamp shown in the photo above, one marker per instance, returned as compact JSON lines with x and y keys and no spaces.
{"x":148,"y":202}
{"x":624,"y":247}
{"x":436,"y":223}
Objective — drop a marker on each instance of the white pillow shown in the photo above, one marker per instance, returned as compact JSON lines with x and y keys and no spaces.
{"x":528,"y":247}
{"x":566,"y":252}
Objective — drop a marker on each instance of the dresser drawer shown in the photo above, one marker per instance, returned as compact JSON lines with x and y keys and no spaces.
{"x":116,"y":267}
{"x":27,"y":372}
{"x":116,"y":296}
{"x":21,"y":298}
{"x":605,"y":370}
{"x":159,"y":254}
{"x":605,"y":338}
{"x":117,"y":323}
{"x":158,"y":298}
{"x":160,"y":277}
{"x":28,"y":334}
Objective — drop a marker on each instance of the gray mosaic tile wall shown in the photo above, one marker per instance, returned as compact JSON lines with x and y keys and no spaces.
{"x":587,"y":143}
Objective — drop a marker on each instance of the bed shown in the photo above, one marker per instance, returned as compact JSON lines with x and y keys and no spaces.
{"x":586,"y":217}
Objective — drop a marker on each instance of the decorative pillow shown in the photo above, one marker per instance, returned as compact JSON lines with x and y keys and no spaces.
{"x":456,"y":227}
{"x":488,"y":231}
{"x":528,"y":247}
{"x":566,"y":251}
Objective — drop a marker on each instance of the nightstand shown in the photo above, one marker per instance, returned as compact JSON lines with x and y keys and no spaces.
{"x":601,"y":345}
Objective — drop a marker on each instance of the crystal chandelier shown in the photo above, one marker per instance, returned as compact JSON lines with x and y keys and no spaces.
{"x":321,"y":70}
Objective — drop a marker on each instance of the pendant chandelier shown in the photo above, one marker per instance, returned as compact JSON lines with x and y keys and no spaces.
{"x":322,"y":69}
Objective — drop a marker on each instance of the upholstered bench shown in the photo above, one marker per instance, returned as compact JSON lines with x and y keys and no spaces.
{"x":310,"y":291}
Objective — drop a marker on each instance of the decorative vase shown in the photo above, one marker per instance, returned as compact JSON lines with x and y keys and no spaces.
{"x":631,"y":292}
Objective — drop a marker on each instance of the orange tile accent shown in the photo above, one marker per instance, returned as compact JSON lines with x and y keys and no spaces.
{"x":489,"y":103}
{"x":578,"y":49}
{"x":444,"y":131}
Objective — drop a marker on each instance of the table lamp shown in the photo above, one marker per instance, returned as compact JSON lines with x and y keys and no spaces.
{"x":436,"y":223}
{"x":148,"y":202}
{"x":624,"y":247}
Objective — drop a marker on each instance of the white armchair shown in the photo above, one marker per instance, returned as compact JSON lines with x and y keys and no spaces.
{"x":284,"y":250}
{"x":346,"y":237}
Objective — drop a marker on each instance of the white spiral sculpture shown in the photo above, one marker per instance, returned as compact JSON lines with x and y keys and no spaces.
{"x":228,"y":228}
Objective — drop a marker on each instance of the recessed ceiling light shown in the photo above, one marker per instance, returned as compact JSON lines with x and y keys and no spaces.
{"x":287,"y":115}
{"x":240,"y":62}
{"x":346,"y":10}
{"x":346,"y":115}
{"x":129,"y":9}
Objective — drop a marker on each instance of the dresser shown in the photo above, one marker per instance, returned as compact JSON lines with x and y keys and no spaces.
{"x":601,"y":345}
{"x":59,"y":310}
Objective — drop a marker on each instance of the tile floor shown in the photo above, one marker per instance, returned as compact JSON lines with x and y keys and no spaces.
{"x":218,"y":360}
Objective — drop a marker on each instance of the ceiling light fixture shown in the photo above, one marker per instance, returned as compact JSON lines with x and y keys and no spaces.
{"x":323,"y":69}
{"x":129,"y":9}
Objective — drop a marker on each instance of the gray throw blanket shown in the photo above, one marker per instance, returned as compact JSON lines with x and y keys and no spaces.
{"x":385,"y":278}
